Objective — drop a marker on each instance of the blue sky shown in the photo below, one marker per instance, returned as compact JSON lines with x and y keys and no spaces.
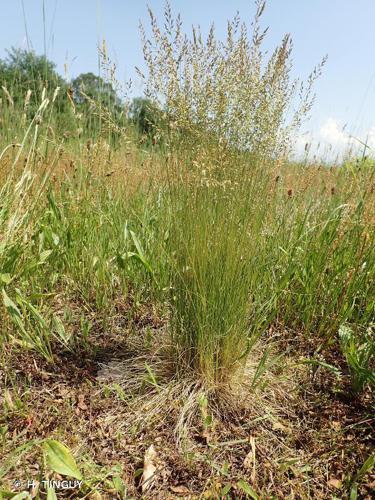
{"x":343,"y":29}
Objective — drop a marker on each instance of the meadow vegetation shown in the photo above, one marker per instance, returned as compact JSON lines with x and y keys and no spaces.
{"x":171,"y":279}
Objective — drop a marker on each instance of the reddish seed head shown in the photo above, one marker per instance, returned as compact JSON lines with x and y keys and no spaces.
{"x":290,"y":192}
{"x":333,"y":190}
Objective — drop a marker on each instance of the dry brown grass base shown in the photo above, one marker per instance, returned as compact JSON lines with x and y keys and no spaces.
{"x":292,"y":439}
{"x":158,"y":394}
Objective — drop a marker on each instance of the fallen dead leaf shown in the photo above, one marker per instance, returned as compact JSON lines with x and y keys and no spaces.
{"x":335,"y":483}
{"x":180,"y":490}
{"x":278,"y":426}
{"x":247,"y":463}
{"x":149,"y":469}
{"x":336,"y":425}
{"x":250,"y":459}
{"x":8,"y":399}
{"x":81,"y":402}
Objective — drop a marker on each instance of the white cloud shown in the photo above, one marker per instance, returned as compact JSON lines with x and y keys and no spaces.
{"x":331,"y":141}
{"x":371,"y":138}
{"x":301,"y":143}
{"x":333,"y":134}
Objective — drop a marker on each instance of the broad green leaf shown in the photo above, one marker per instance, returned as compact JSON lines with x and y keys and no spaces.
{"x":137,"y":244}
{"x":141,"y":259}
{"x":5,"y":278}
{"x":51,"y":495}
{"x":138,"y":472}
{"x":10,"y":305}
{"x":22,"y":496}
{"x":60,"y":330}
{"x":140,"y":255}
{"x":226,"y":490}
{"x":354,"y":492}
{"x":246,"y":488}
{"x":119,"y":485}
{"x":44,"y":256}
{"x":208,"y":421}
{"x":55,"y":239}
{"x":60,"y":459}
{"x":336,"y":371}
{"x":366,"y":467}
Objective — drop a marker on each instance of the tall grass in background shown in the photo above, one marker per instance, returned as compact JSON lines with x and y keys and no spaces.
{"x":21,"y":192}
{"x":50,"y":213}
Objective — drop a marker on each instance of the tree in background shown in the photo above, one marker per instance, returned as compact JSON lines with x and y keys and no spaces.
{"x":24,"y":76}
{"x":99,"y":103}
{"x":88,"y":86}
{"x":24,"y":71}
{"x":147,"y":117}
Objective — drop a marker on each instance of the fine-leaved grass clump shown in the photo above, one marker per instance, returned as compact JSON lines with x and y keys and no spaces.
{"x":212,"y":277}
{"x":227,"y":113}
